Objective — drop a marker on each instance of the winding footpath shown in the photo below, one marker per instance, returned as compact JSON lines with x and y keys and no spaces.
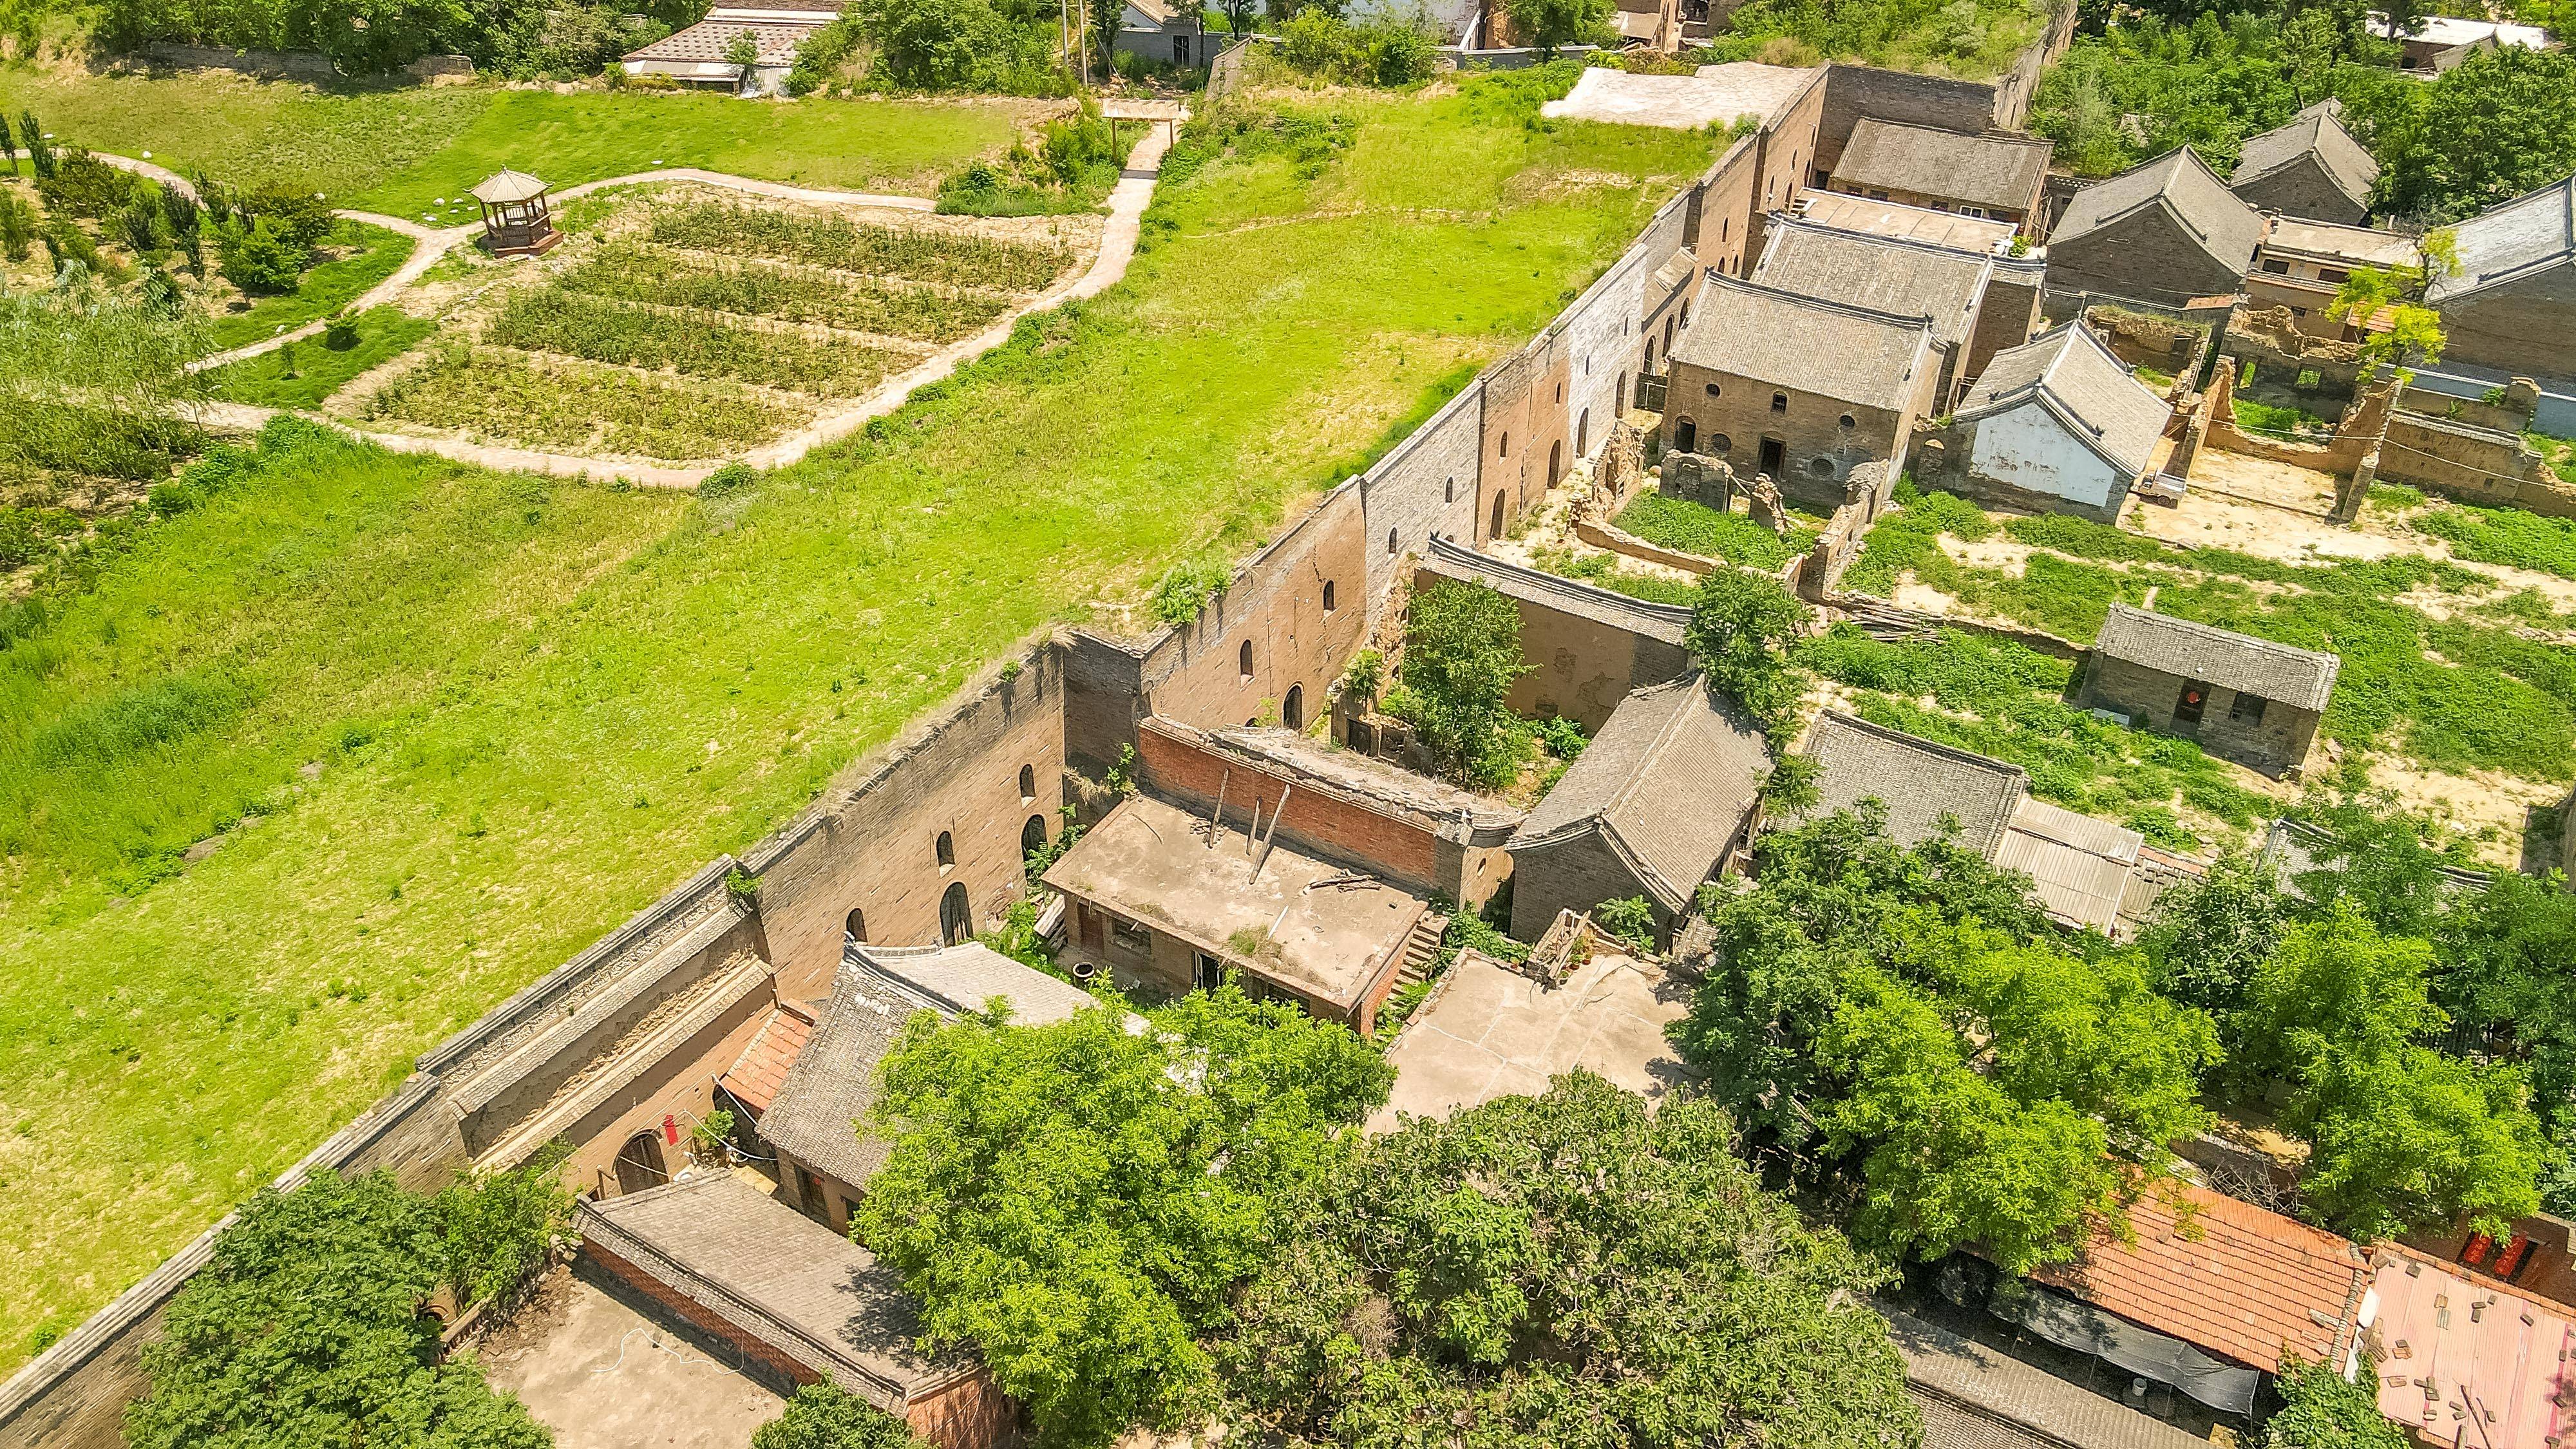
{"x":1127,"y":203}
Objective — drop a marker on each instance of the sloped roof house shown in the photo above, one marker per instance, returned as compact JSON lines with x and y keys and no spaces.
{"x":2165,"y":231}
{"x":2310,"y":168}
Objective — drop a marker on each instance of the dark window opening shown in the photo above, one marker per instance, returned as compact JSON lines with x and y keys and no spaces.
{"x":2189,"y":704}
{"x":1028,"y":782}
{"x":1720,"y":444}
{"x":1685,"y":435}
{"x":1775,"y":457}
{"x":1779,"y":402}
{"x":1555,"y":461}
{"x":1496,"y":531}
{"x":1390,"y":540}
{"x":1328,"y":596}
{"x":1243,"y":660}
{"x":1583,"y":432}
{"x":1506,"y":450}
{"x":1033,"y":836}
{"x":1849,"y":422}
{"x":1292,"y":710}
{"x":956,"y":922}
{"x":946,"y":850}
{"x":1712,"y":389}
{"x":2246,"y":708}
{"x":854,"y":927}
{"x":2276,"y":266}
{"x":1821,"y":467}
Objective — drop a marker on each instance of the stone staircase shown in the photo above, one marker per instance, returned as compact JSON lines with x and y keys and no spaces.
{"x":1419,"y":948}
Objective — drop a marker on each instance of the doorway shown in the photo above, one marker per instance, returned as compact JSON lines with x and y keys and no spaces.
{"x":639,"y":1163}
{"x":1033,"y":836}
{"x":1775,"y":457}
{"x":1555,"y":461}
{"x":1685,"y":435}
{"x":956,"y":922}
{"x":1583,"y":431}
{"x":1292,"y":711}
{"x":1496,"y":530}
{"x":1208,"y":973}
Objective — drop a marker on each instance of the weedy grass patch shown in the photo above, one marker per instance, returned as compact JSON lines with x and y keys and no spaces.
{"x":699,"y":343}
{"x":316,"y":369}
{"x":371,"y":254}
{"x":2508,"y":536}
{"x":917,"y":253}
{"x":655,"y":275}
{"x":1695,"y":528}
{"x":578,"y":408}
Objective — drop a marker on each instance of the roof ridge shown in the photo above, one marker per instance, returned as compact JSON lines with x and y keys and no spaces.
{"x":2212,"y":630}
{"x":1919,"y":322}
{"x":1791,"y":221}
{"x":1928,"y":746}
{"x":1664,"y":733}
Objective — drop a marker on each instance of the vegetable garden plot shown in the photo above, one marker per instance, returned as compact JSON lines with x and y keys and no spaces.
{"x":700,"y":343}
{"x":574,"y":406}
{"x":629,"y":273}
{"x":921,"y":255}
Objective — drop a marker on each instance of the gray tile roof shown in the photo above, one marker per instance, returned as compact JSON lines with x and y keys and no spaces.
{"x":2220,"y":223}
{"x":2300,"y":678}
{"x":1920,"y":783}
{"x":1668,"y":782}
{"x":709,"y":39}
{"x":2505,"y":243}
{"x":1882,"y":273}
{"x":788,"y":1281}
{"x":2318,"y":130}
{"x":1806,"y":344}
{"x":833,"y":1082}
{"x":1887,"y":218}
{"x":1990,"y":170}
{"x":2069,"y":372}
{"x":1975,"y":1397}
{"x":1444,"y":559}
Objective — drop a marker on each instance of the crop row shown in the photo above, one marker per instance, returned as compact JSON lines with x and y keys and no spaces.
{"x":635,"y":274}
{"x":703,"y":344}
{"x":503,"y":395}
{"x":833,"y":241}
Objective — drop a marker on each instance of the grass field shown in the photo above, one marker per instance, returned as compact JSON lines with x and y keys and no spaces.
{"x":372,"y":254}
{"x":318,"y":368}
{"x":533,"y":706}
{"x":397,"y":150}
{"x":1693,"y":528}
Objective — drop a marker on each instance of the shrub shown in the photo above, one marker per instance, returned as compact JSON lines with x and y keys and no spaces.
{"x":258,"y":257}
{"x":820,"y":54}
{"x":340,"y":332}
{"x":1185,"y":589}
{"x":1462,"y":650}
{"x":82,"y":185}
{"x":1631,"y":921}
{"x":824,"y":1416}
{"x":729,"y":479}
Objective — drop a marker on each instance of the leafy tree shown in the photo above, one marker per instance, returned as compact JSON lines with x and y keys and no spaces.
{"x":1565,"y":1269}
{"x":1106,"y":18}
{"x":1548,"y":24}
{"x":256,"y":257}
{"x":17,"y":226}
{"x":825,"y":1416}
{"x":2501,"y":967}
{"x":743,"y":54}
{"x":40,"y":152}
{"x":1740,"y":627}
{"x":305,"y":1329}
{"x":2501,"y":123}
{"x":8,"y":144}
{"x":2210,"y":934}
{"x":2321,"y":1409}
{"x":2335,"y":984}
{"x":935,"y":45}
{"x":1079,"y":1203}
{"x":371,"y":37}
{"x":822,"y":53}
{"x":1462,"y":650}
{"x":1905,"y":1024}
{"x":1631,"y":920}
{"x":2378,"y":858}
{"x":1791,"y":788}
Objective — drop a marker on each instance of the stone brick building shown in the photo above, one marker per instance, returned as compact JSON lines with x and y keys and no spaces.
{"x":2310,"y":168}
{"x":1885,"y":274}
{"x":1587,"y":648}
{"x":1799,"y":388}
{"x":1997,"y":174}
{"x":1652,"y":807}
{"x":2165,"y":232}
{"x":2057,"y":425}
{"x":2301,"y":264}
{"x":2009,"y":310}
{"x":2243,"y":698}
{"x":2512,"y":304}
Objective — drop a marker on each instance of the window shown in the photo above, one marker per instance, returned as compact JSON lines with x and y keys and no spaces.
{"x":1560,"y":392}
{"x":1028,"y":782}
{"x":1720,"y":444}
{"x":1685,"y":314}
{"x":1127,"y":936}
{"x":1390,"y":540}
{"x":1243,"y":660}
{"x":1779,"y":402}
{"x":946,"y":850}
{"x":1032,"y":836}
{"x":956,"y":921}
{"x":1650,"y":355}
{"x":854,"y":928}
{"x":1328,"y":596}
{"x":2246,"y":708}
{"x":2309,"y":376}
{"x":1849,"y":422}
{"x":1712,"y":390}
{"x":1972,"y":211}
{"x":1821,"y":467}
{"x":1448,"y":494}
{"x":1292,"y":710}
{"x":2188,"y":704}
{"x":2333,"y":274}
{"x":1496,"y":531}
{"x":1555,"y":461}
{"x":1506,"y":450}
{"x":2276,"y":267}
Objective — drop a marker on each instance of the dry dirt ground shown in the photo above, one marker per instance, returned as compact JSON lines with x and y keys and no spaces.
{"x":594,"y":1369}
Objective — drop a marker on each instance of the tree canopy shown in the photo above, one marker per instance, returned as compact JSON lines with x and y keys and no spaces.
{"x":1078,"y":1202}
{"x":1740,"y":626}
{"x":1462,"y":650}
{"x":1564,"y":1270}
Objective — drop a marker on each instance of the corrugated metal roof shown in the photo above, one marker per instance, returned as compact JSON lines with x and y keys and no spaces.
{"x":2078,"y":866}
{"x":1988,"y":1395}
{"x":2458,"y":1348}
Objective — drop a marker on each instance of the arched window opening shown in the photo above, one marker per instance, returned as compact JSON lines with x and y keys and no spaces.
{"x":1028,"y":782}
{"x":1292,"y":710}
{"x":1033,"y":836}
{"x":1583,"y":433}
{"x":1496,"y":531}
{"x":1390,"y":540}
{"x":854,"y":927}
{"x":956,"y":922}
{"x":1243,"y":660}
{"x":1507,"y":446}
{"x":1328,"y":596}
{"x":1555,"y":461}
{"x":946,"y":850}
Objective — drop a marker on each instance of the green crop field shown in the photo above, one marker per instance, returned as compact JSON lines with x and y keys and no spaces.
{"x":463,"y":723}
{"x":399,"y":150}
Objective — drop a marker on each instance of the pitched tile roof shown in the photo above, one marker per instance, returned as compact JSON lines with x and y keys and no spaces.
{"x":1884,"y":274}
{"x":2245,"y":1283}
{"x":1975,"y":1397}
{"x":2220,"y":223}
{"x":2508,"y":242}
{"x":2300,"y":678}
{"x":776,"y":1274}
{"x":1667,"y":782}
{"x":1806,"y":344}
{"x":832,"y":1084}
{"x":2316,"y":131}
{"x":2070,"y":373}
{"x":776,"y":36}
{"x":1918,"y":781}
{"x":1444,"y":559}
{"x":756,"y":1075}
{"x":1989,"y":170}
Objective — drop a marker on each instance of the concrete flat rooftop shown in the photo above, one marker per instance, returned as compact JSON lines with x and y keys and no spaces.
{"x":1491,"y":1032}
{"x":1320,"y":928}
{"x":1718,"y":95}
{"x":592,"y":1367}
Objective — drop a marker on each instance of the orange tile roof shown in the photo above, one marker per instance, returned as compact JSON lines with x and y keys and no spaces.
{"x":2235,"y":1280}
{"x":2456,"y":1347}
{"x":754,"y":1078}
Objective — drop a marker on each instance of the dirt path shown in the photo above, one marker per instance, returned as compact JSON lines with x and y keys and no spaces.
{"x":1127,"y":203}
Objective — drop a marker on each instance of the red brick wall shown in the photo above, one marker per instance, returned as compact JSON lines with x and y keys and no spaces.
{"x":1402,"y":851}
{"x":697,"y":1316}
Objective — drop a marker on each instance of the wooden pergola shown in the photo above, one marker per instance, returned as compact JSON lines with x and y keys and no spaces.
{"x":516,"y":222}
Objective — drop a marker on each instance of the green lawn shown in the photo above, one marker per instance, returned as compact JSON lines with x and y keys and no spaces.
{"x":321,"y":369}
{"x":1693,"y":528}
{"x":534,"y":705}
{"x":398,"y":150}
{"x":375,"y":254}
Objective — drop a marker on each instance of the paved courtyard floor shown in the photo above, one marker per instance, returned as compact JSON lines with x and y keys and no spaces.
{"x":592,"y":1368}
{"x":1491,"y":1032}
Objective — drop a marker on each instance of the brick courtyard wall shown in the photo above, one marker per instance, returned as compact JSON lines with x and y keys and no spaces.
{"x":2007,"y":316}
{"x":871,"y":845}
{"x":2521,"y":326}
{"x":1724,"y":236}
{"x":1854,"y":91}
{"x":1428,"y":485}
